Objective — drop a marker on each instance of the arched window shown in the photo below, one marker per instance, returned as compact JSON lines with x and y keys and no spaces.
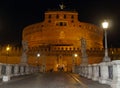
{"x":57,"y":16}
{"x":72,"y":17}
{"x":64,"y":16}
{"x":49,"y":16}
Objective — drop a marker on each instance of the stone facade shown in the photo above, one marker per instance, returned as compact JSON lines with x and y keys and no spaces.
{"x":62,"y":28}
{"x":51,"y":58}
{"x":57,"y":38}
{"x":11,"y":57}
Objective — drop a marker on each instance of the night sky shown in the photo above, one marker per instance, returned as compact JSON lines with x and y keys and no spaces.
{"x":17,"y":14}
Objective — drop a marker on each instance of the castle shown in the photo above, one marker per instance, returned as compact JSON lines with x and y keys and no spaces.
{"x":57,"y":39}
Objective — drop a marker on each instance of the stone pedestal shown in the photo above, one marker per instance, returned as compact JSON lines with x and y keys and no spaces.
{"x":16,"y":69}
{"x":6,"y":78}
{"x":82,"y":70}
{"x":116,"y":74}
{"x":8,"y":71}
{"x":27,"y":69}
{"x":86,"y":71}
{"x":73,"y":69}
{"x":95,"y":73}
{"x":103,"y":73}
{"x":24,"y":52}
{"x":89,"y":72}
{"x":32,"y":69}
{"x":21,"y":70}
{"x":0,"y":70}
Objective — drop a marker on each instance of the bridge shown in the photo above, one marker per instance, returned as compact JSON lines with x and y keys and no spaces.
{"x":104,"y":74}
{"x":51,"y":80}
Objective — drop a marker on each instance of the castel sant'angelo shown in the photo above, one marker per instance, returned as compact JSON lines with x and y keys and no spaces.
{"x":58,"y":38}
{"x":53,"y":43}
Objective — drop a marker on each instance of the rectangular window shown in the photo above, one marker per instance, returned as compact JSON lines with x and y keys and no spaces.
{"x":61,"y":23}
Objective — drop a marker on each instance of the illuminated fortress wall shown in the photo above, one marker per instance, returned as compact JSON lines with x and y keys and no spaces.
{"x":11,"y":57}
{"x":52,"y":57}
{"x":63,"y":27}
{"x":57,"y":38}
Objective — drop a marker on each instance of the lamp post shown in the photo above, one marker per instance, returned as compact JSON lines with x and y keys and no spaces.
{"x":75,"y":55}
{"x":38,"y":55}
{"x":7,"y":49}
{"x":105,"y":25}
{"x":73,"y":67}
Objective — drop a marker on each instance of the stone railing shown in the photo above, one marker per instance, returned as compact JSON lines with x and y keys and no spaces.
{"x":104,"y":72}
{"x":11,"y":70}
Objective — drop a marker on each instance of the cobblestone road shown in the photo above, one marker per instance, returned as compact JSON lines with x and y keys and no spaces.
{"x":52,"y":80}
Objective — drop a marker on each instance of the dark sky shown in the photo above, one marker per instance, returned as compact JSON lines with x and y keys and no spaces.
{"x":17,"y":14}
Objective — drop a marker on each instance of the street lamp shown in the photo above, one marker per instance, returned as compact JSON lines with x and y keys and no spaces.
{"x":106,"y":58}
{"x":7,"y":49}
{"x":75,"y":55}
{"x":73,"y":67}
{"x":38,"y":55}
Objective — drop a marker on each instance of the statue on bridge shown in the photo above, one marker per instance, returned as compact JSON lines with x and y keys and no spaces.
{"x":24,"y":52}
{"x":83,"y":51}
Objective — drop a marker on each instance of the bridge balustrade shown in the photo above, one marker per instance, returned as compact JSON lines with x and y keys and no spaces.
{"x":12,"y":70}
{"x":104,"y":72}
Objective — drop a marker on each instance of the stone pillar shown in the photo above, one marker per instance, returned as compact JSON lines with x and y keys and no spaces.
{"x":73,"y":64}
{"x":27,"y":70}
{"x":16,"y":69}
{"x":44,"y":63}
{"x":95,"y":72}
{"x":31,"y":69}
{"x":89,"y":72}
{"x":116,"y":74}
{"x":86,"y":71}
{"x":0,"y":70}
{"x":82,"y":70}
{"x":21,"y":70}
{"x":83,"y":52}
{"x":110,"y":73}
{"x":24,"y":53}
{"x":8,"y":71}
{"x":103,"y":72}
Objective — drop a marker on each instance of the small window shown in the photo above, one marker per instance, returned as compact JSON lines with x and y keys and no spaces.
{"x":74,"y":48}
{"x":45,"y":49}
{"x":65,"y":23}
{"x":61,"y":23}
{"x":49,"y":21}
{"x":72,"y":17}
{"x":49,"y":16}
{"x":57,"y":16}
{"x":58,"y":48}
{"x":66,"y":48}
{"x":56,"y":24}
{"x":79,"y":25}
{"x":72,"y":21}
{"x":64,"y":16}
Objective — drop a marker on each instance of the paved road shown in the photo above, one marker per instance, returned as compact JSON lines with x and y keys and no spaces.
{"x":51,"y":80}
